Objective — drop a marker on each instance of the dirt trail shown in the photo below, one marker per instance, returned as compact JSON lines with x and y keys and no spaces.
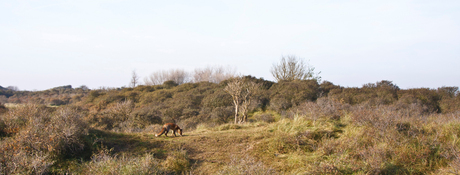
{"x":211,"y":150}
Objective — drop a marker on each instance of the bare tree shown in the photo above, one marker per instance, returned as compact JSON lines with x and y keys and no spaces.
{"x":204,"y":74}
{"x":179,"y":76}
{"x":242,"y":93}
{"x":213,"y":74}
{"x":292,"y":68}
{"x":249,"y":89}
{"x":13,"y":88}
{"x":156,"y":78}
{"x":134,"y":79}
{"x":234,"y":88}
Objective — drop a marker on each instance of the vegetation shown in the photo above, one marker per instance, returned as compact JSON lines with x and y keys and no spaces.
{"x":290,"y":127}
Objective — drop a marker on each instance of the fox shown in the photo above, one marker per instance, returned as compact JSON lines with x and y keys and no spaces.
{"x":167,"y":127}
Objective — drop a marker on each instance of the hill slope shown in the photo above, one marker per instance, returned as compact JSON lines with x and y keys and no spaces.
{"x":305,"y":145}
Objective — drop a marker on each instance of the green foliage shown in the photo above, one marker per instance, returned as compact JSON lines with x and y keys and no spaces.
{"x":169,"y":84}
{"x":450,"y":99}
{"x":326,"y":87}
{"x":217,"y":99}
{"x":287,"y":94}
{"x":6,"y":92}
{"x":177,"y":161}
{"x":383,"y":92}
{"x":423,"y":96}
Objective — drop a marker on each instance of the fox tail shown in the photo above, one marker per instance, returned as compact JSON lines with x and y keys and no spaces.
{"x":162,"y":131}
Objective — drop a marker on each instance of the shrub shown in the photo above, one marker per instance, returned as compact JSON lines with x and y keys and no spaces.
{"x":94,"y":94}
{"x":323,"y":107}
{"x":222,"y":115}
{"x":155,"y":97}
{"x":450,"y":99}
{"x":217,"y":99}
{"x":380,"y":93}
{"x":268,"y":117}
{"x":177,"y":160}
{"x":122,"y":117}
{"x":423,"y":96}
{"x":39,"y":137}
{"x":146,"y":116}
{"x":326,"y":87}
{"x":285,"y":94}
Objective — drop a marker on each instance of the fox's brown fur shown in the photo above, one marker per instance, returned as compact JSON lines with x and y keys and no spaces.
{"x":167,"y":127}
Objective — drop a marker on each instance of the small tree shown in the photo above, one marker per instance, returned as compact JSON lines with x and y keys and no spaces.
{"x":234,"y":88}
{"x":241,"y":93}
{"x":179,"y":76}
{"x":213,"y":74}
{"x":292,"y":68}
{"x":249,"y":89}
{"x":134,"y":79}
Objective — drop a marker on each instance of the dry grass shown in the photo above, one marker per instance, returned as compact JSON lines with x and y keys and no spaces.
{"x":386,"y":139}
{"x":105,"y":163}
{"x":246,"y":165}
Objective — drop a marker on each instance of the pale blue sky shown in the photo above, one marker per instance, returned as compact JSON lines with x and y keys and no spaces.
{"x":44,"y":44}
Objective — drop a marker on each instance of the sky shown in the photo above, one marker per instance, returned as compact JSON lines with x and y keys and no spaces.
{"x":99,"y":43}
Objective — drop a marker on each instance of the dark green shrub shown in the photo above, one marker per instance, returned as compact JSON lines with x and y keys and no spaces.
{"x":217,"y":99}
{"x":424,"y":96}
{"x":146,"y":116}
{"x":144,"y":88}
{"x":380,"y":93}
{"x":2,"y":108}
{"x":57,"y":102}
{"x":265,"y":117}
{"x":326,"y":87}
{"x":286,"y":94}
{"x":220,"y":115}
{"x":169,"y":84}
{"x":450,"y":99}
{"x":156,"y":97}
{"x":131,"y":95}
{"x":94,"y":94}
{"x":264,"y":84}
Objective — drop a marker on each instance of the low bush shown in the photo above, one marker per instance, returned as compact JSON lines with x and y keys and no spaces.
{"x":227,"y":126}
{"x":38,"y":137}
{"x":325,"y":107}
{"x":2,"y":108}
{"x":177,"y":160}
{"x":268,"y":117}
{"x":287,"y":94}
